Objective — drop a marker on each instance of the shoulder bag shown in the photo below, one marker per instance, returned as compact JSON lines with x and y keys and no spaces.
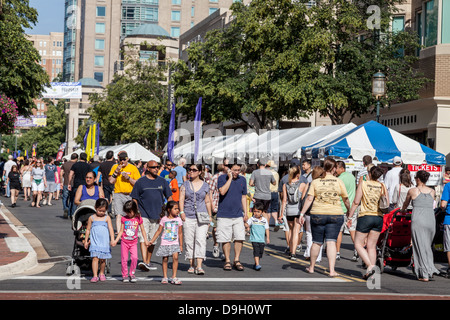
{"x":202,"y":216}
{"x":383,"y":203}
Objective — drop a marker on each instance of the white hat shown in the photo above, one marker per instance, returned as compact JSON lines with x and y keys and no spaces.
{"x":397,"y":160}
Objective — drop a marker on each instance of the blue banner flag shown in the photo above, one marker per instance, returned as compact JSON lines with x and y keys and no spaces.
{"x":197,"y":128}
{"x":171,"y":143}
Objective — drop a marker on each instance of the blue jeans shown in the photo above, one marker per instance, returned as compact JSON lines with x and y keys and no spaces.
{"x":65,"y":198}
{"x":325,"y":227}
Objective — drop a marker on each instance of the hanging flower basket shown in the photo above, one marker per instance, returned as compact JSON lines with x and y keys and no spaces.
{"x":8,"y":115}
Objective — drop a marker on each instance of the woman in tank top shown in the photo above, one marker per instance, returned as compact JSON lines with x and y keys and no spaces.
{"x":88,"y":191}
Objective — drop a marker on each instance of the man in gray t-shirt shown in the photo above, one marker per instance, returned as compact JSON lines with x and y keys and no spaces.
{"x":261,"y":180}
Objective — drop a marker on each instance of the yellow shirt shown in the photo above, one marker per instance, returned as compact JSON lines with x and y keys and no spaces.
{"x":274,"y":188}
{"x":327,"y":194}
{"x":371,"y":193}
{"x":122,"y":185}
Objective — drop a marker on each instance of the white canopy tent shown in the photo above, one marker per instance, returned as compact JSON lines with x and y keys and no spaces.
{"x":134,"y":150}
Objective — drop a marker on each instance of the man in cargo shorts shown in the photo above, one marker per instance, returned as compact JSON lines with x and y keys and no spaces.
{"x":232,"y":214}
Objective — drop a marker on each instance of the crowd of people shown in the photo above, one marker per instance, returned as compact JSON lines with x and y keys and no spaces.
{"x":179,"y":204}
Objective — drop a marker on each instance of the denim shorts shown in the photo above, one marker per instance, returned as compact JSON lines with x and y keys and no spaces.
{"x":325,"y":227}
{"x":366,"y":224}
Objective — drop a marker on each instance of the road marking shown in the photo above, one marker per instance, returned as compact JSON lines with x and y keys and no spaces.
{"x":198,"y":279}
{"x":318,"y":268}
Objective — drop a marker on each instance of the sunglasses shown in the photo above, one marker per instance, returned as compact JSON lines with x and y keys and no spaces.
{"x":154,"y":167}
{"x":192,"y":170}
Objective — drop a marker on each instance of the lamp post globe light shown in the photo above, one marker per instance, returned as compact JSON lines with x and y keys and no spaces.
{"x":378,"y":89}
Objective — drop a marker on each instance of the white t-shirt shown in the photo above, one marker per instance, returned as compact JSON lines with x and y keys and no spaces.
{"x":392,"y":179}
{"x":8,"y":166}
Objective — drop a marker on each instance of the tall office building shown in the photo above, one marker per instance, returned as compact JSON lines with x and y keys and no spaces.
{"x":50,"y":49}
{"x":95,"y":29}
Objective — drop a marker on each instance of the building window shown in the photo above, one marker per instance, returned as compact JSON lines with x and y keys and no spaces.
{"x":431,"y":23}
{"x":175,"y":32}
{"x":192,"y":11}
{"x":100,"y":27}
{"x":101,"y":11}
{"x":212,"y":10}
{"x":145,"y":55}
{"x":99,"y":61}
{"x":99,"y":44}
{"x":176,"y":2}
{"x":98,"y":76}
{"x":176,"y":15}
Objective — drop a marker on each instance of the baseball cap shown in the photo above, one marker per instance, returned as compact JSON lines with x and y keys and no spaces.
{"x":397,"y":160}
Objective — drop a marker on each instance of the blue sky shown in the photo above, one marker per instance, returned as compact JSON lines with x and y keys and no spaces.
{"x":50,"y":18}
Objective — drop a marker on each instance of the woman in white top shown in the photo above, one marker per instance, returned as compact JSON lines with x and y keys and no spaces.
{"x":401,"y":190}
{"x":25,"y":171}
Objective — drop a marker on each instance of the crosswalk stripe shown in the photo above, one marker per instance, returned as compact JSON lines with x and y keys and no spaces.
{"x":197,"y":279}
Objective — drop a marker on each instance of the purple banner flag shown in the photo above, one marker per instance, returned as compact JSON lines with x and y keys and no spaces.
{"x":197,"y":128}
{"x":171,"y":142}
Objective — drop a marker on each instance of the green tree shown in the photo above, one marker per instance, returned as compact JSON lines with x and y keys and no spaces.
{"x":21,"y":76}
{"x":50,"y":137}
{"x":279,"y":58}
{"x":127,"y":110}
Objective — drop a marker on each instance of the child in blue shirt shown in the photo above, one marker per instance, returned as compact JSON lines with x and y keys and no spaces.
{"x":259,"y":231}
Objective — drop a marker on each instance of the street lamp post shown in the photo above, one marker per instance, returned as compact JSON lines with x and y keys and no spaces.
{"x":157,"y":128}
{"x":378,"y":89}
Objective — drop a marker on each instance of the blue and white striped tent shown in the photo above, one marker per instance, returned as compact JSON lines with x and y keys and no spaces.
{"x":378,"y":141}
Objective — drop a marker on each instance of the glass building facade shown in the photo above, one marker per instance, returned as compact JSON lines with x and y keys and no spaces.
{"x":70,"y":34}
{"x":136,"y":13}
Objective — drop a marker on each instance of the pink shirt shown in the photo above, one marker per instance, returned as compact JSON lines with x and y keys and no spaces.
{"x":169,"y":235}
{"x":130,"y":228}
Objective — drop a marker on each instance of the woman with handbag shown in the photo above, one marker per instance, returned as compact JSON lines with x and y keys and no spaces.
{"x":401,"y":190}
{"x":195,"y":211}
{"x":374,"y":200}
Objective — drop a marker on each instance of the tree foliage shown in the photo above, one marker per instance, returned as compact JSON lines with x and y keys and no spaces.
{"x":127,"y":110}
{"x":48,"y":138}
{"x":21,"y":76}
{"x":280,"y":58}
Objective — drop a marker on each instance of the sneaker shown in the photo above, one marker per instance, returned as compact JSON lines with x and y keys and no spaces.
{"x":143,"y":266}
{"x":151,"y":266}
{"x":293,"y":257}
{"x":355,"y":256}
{"x":257,"y":267}
{"x":216,"y":252}
{"x":338,"y":256}
{"x":44,"y":202}
{"x":125,"y":280}
{"x":94,"y":279}
{"x":299,"y":249}
{"x":133,"y":279}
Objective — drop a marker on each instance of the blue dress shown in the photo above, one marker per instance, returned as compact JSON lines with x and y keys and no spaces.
{"x":100,"y":240}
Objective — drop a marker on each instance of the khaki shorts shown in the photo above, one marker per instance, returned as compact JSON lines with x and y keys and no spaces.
{"x":230,"y":229}
{"x":354,"y":219}
{"x":150,"y":227}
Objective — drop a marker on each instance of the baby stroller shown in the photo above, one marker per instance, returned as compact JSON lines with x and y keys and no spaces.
{"x":81,"y":257}
{"x":394,"y":244}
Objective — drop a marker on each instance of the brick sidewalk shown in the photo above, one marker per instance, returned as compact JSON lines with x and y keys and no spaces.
{"x":11,"y":255}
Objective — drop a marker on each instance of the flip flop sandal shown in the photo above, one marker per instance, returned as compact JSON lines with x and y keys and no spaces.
{"x":238,"y":266}
{"x":164,"y":280}
{"x":176,"y":281}
{"x":191,"y":270}
{"x":227,"y":266}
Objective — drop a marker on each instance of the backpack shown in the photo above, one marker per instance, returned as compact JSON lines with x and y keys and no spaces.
{"x":293,"y":194}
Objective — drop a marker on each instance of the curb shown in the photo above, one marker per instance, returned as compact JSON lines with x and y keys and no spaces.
{"x":17,"y":244}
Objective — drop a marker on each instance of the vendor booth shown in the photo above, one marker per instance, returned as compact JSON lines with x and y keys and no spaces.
{"x":380,"y":142}
{"x":134,"y":150}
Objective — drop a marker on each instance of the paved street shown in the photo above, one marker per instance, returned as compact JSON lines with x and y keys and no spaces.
{"x":280,"y":277}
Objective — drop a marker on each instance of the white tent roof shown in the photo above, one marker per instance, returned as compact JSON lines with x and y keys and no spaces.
{"x":134,"y":150}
